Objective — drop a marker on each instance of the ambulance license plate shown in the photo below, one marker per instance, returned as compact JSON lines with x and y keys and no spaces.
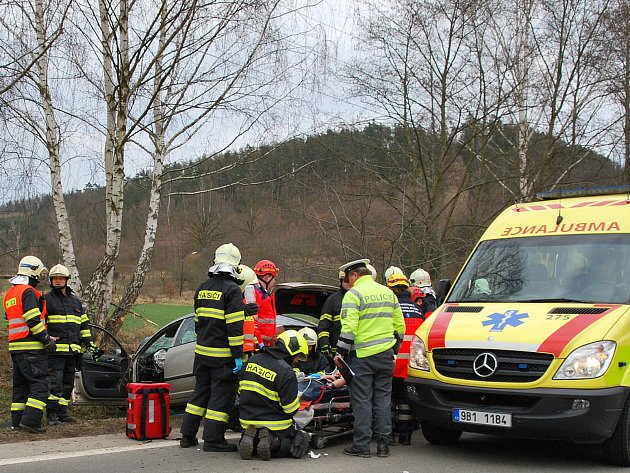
{"x":496,"y":419}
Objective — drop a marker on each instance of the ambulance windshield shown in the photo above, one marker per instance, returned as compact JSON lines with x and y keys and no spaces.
{"x":571,"y":268}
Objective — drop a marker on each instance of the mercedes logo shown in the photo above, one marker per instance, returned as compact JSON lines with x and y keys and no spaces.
{"x":485,"y":365}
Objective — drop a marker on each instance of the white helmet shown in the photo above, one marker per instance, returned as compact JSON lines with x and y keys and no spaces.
{"x":247,"y":275}
{"x":372,"y":270}
{"x":420,"y":278}
{"x":392,"y":270}
{"x":310,"y":335}
{"x":227,"y":253}
{"x":59,"y":270}
{"x":32,"y":267}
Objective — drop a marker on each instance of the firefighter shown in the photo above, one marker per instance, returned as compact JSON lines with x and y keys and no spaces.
{"x":29,"y":345}
{"x":247,"y":275}
{"x":266,"y":272}
{"x":316,"y":363}
{"x":219,"y":316}
{"x":391,"y":270}
{"x":67,"y":323}
{"x":268,"y":399}
{"x":371,"y":321}
{"x":329,"y":325}
{"x":405,"y":420}
{"x":420,"y":278}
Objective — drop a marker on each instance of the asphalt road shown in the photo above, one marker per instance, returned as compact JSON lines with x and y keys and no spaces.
{"x":474,"y":453}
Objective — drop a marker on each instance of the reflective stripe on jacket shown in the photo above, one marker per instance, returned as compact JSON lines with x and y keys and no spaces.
{"x":266,"y":318}
{"x":268,"y":391}
{"x":26,"y":316}
{"x":67,"y":321}
{"x":329,"y":326}
{"x":370,"y":314}
{"x":219,"y":318}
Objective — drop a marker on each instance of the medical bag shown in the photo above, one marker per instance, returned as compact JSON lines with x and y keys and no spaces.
{"x":148,"y":407}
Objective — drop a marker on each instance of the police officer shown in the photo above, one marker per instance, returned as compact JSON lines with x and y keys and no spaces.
{"x":219,"y":315}
{"x":67,"y":323}
{"x":371,"y":321}
{"x":405,"y":419}
{"x":29,"y":345}
{"x":268,"y":399}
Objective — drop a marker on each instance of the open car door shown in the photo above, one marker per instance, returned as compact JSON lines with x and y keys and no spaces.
{"x":102,"y":381}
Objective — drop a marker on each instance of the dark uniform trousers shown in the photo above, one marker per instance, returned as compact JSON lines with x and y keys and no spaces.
{"x":62,"y":368}
{"x":371,"y":395}
{"x":215,"y":392}
{"x":31,"y":382}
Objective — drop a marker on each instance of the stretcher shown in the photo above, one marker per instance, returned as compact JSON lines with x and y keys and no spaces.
{"x":325,"y":413}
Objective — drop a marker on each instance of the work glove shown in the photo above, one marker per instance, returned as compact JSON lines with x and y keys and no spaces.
{"x":95,"y":351}
{"x":251,"y":309}
{"x":50,"y":346}
{"x":299,"y":444}
{"x":238,"y":365}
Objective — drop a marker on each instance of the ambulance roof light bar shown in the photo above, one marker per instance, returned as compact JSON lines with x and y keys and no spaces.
{"x":582,"y":192}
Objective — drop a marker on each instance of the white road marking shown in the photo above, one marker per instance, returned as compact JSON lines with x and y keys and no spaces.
{"x":85,"y":453}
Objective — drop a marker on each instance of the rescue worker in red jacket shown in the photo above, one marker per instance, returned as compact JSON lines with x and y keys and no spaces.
{"x":404,"y":418}
{"x":247,"y":275}
{"x":266,"y":271}
{"x":219,"y":315}
{"x":268,"y":399}
{"x":67,"y":323}
{"x":29,"y":345}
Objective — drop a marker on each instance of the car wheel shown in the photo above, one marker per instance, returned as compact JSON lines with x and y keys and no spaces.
{"x":439,"y":435}
{"x":617,"y":447}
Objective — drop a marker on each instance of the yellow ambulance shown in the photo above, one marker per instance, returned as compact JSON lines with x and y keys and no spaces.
{"x":533,"y":338}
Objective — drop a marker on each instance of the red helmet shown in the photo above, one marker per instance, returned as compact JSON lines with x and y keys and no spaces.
{"x":417,"y":294}
{"x":264,"y":266}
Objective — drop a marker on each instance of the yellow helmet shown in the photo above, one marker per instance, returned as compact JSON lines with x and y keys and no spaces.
{"x":397,"y":279}
{"x":59,"y":270}
{"x":294,"y":343}
{"x":247,"y":275}
{"x":32,"y":267}
{"x":227,"y":253}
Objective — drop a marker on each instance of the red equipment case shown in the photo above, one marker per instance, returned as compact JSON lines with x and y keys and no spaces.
{"x":148,"y":410}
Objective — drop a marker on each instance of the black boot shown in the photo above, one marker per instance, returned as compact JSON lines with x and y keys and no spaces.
{"x":53,"y":419}
{"x":404,"y":438}
{"x":382,"y":448}
{"x":188,"y":441}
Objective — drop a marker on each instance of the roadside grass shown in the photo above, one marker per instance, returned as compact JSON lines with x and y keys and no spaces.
{"x":134,"y":330}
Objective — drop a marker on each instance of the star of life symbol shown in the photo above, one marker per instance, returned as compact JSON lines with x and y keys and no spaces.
{"x":499,"y":321}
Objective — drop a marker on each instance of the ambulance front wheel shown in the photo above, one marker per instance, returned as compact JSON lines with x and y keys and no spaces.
{"x":617,"y":447}
{"x":439,"y":435}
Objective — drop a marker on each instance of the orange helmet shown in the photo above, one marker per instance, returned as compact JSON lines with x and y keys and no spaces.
{"x":264,"y":266}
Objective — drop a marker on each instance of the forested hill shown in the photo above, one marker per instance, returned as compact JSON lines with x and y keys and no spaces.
{"x":394,"y":195}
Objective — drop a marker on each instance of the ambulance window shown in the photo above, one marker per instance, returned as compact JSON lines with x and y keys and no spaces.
{"x":579,"y":268}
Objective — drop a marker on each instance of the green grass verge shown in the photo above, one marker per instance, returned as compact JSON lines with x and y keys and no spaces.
{"x":161,"y":314}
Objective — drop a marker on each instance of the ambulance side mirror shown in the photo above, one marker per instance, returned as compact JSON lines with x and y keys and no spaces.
{"x":444,"y":286}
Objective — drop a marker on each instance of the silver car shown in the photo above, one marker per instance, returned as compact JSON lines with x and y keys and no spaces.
{"x":167,"y":356}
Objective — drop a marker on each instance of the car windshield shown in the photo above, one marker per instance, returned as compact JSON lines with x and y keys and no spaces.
{"x":568,"y":268}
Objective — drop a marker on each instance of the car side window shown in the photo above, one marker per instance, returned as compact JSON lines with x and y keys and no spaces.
{"x":186,"y":333}
{"x":165,"y":340}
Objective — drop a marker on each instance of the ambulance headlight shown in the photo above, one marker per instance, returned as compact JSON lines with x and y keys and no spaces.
{"x":418,"y":355}
{"x":589,"y":361}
